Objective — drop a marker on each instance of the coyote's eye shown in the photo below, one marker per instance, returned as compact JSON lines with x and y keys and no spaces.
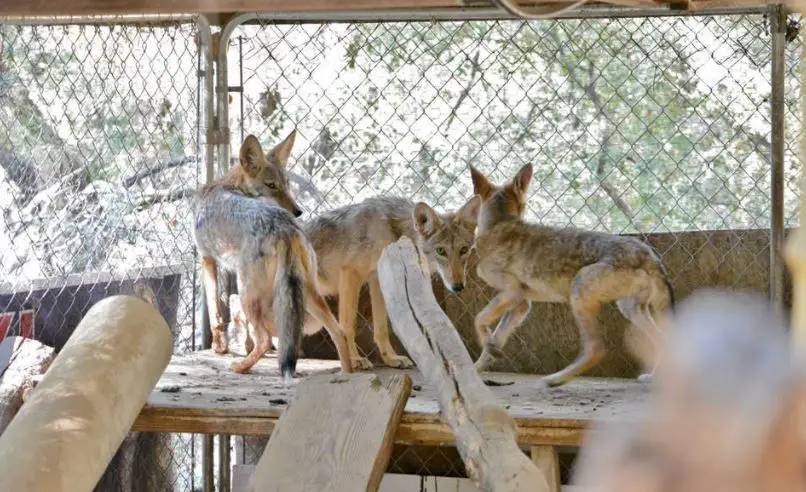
{"x":441,"y":251}
{"x":271,"y":186}
{"x":463,"y":251}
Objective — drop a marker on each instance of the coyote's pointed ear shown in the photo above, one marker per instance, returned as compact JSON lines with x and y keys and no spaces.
{"x":522,"y":180}
{"x":426,"y":220}
{"x":282,"y":151}
{"x":469,"y":213}
{"x":251,"y":155}
{"x":481,"y":185}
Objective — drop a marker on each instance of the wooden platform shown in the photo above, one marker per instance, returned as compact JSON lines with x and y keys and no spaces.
{"x":199,"y":394}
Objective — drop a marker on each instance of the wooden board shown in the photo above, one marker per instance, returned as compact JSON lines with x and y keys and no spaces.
{"x":226,"y":8}
{"x":199,"y":394}
{"x":392,"y":482}
{"x":111,"y":7}
{"x":337,"y":435}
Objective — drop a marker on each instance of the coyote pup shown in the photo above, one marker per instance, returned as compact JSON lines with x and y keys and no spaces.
{"x":244,"y":223}
{"x":349,"y":242}
{"x":529,"y":263}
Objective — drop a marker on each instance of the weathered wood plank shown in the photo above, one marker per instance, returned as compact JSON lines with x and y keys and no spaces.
{"x":198,"y":394}
{"x":114,"y":7}
{"x":228,"y":7}
{"x":409,"y":432}
{"x":241,"y":474}
{"x":485,"y":432}
{"x":26,"y":358}
{"x":547,"y":459}
{"x":200,"y":384}
{"x":392,"y":482}
{"x":337,"y":435}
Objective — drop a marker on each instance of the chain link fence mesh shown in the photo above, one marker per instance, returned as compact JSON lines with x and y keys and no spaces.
{"x":99,"y":152}
{"x":658,"y":127}
{"x":793,"y":123}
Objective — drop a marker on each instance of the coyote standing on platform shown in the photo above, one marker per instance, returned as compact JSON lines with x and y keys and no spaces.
{"x":244,"y":223}
{"x":349,"y":242}
{"x":534,"y":263}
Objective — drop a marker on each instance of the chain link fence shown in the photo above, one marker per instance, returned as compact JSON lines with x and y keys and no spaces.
{"x":793,"y":124}
{"x":100,"y":134}
{"x":658,"y":127}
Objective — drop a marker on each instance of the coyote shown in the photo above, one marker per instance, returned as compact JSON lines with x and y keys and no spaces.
{"x":529,"y":263}
{"x":349,"y":241}
{"x":244,"y":223}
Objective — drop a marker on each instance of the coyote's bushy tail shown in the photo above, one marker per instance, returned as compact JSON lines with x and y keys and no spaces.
{"x":288,"y":307}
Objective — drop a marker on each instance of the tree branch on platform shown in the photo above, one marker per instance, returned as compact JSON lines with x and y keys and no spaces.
{"x":485,"y":432}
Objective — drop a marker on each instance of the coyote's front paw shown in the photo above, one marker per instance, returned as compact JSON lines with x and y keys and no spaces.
{"x":240,"y":367}
{"x":646,"y":377}
{"x":219,"y":342}
{"x":553,"y":381}
{"x":360,"y":363}
{"x":484,"y":361}
{"x":397,"y":361}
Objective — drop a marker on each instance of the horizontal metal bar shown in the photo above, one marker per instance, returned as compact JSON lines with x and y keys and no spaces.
{"x":460,"y":14}
{"x":457,"y":14}
{"x":61,"y":20}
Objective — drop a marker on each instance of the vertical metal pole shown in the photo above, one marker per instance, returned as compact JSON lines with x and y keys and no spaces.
{"x":777,"y":266}
{"x":240,"y":71}
{"x":795,"y":248}
{"x":207,"y":464}
{"x":208,"y":484}
{"x":206,"y":46}
{"x":224,"y":480}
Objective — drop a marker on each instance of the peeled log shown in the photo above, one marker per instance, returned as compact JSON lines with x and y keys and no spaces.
{"x":76,"y":418}
{"x":484,"y":431}
{"x":29,"y":358}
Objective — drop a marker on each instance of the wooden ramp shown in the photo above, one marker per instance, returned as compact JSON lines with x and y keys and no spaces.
{"x":336,"y":435}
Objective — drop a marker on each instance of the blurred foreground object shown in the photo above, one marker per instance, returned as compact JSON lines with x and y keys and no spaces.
{"x":725,"y":411}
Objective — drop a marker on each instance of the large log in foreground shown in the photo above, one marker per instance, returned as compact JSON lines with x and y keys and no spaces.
{"x":485,"y":432}
{"x":76,"y":418}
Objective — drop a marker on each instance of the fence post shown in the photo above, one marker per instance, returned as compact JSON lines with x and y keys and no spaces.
{"x":796,"y":245}
{"x":778,"y":74}
{"x":206,"y":45}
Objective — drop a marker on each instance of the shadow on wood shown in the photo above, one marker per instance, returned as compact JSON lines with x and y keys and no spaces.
{"x":485,"y":432}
